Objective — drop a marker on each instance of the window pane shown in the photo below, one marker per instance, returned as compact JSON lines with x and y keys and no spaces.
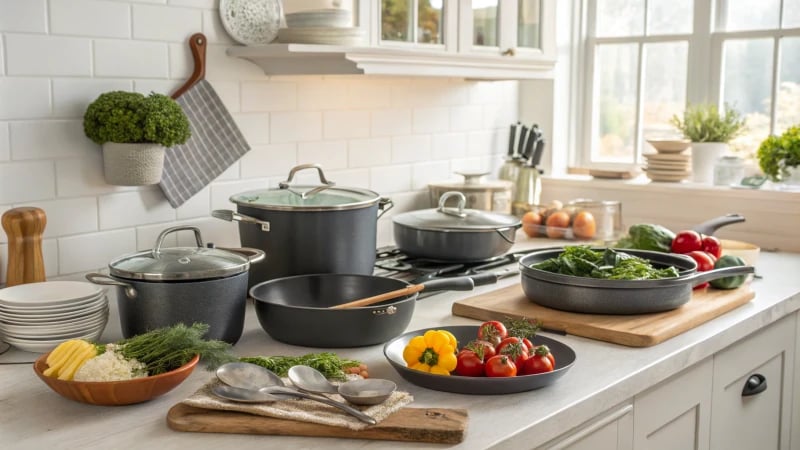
{"x":430,"y":22}
{"x":751,"y":14}
{"x":670,"y":16}
{"x":791,"y":13}
{"x":664,"y":87}
{"x":528,"y":23}
{"x":484,"y":22}
{"x":747,"y":85}
{"x":396,"y":20}
{"x":614,"y":115}
{"x":620,"y":18}
{"x":788,"y":106}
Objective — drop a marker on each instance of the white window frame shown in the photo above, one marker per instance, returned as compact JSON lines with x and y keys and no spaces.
{"x":705,"y":63}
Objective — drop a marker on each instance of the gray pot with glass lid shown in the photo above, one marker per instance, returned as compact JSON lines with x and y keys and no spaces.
{"x":309,"y":229}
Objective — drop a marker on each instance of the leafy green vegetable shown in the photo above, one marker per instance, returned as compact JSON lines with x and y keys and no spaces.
{"x":777,"y":154}
{"x":647,"y":236}
{"x":582,"y":261}
{"x":330,"y":364}
{"x":168,"y":348}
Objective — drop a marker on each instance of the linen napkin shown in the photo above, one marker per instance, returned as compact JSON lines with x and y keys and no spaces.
{"x":301,"y":409}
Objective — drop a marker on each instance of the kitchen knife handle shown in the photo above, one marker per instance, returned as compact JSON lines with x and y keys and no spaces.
{"x":197,"y":43}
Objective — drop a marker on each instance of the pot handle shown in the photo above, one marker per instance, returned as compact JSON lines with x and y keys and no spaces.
{"x":710,"y":226}
{"x":160,"y":239}
{"x":701,"y":277}
{"x":325,"y":183}
{"x":105,"y":280}
{"x":384,"y":204}
{"x":450,"y":284}
{"x":253,"y":255}
{"x":462,"y":202}
{"x":230,"y":216}
{"x":501,"y":230}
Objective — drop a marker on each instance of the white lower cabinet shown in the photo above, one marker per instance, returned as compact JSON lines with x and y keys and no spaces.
{"x":795,"y":439}
{"x":610,"y":431}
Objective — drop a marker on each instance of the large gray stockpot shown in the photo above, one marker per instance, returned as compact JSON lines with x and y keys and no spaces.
{"x":308,"y":229}
{"x":165,"y":286}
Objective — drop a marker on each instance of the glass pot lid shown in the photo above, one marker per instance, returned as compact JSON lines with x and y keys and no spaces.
{"x":179,"y":263}
{"x":458,"y":218}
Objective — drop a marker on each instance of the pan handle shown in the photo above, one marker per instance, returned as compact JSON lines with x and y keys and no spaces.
{"x":701,"y":277}
{"x":384,"y":204}
{"x":450,"y":284}
{"x":710,"y":226}
{"x":105,"y":280}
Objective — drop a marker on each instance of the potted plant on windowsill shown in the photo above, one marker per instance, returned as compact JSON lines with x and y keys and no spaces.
{"x":779,"y":158}
{"x":134,"y":131}
{"x":710,"y":131}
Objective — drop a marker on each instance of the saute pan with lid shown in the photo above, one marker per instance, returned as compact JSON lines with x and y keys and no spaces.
{"x":601,"y":296}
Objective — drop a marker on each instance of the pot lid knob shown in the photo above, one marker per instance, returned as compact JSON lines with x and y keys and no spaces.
{"x":462,"y":201}
{"x":325,"y":183}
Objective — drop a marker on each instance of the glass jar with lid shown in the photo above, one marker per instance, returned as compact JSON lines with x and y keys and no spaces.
{"x":728,"y":170}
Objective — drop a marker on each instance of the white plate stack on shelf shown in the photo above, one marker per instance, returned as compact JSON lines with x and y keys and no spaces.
{"x":36,"y":317}
{"x":669,"y":163}
{"x":330,"y":26}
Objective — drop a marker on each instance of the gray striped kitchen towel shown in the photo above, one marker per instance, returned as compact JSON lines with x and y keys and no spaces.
{"x":215,"y":144}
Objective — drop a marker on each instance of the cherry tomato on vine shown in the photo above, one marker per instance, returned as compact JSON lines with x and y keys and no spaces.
{"x":480,"y":347}
{"x":704,"y":261}
{"x":493,"y":331}
{"x":500,"y":366}
{"x":712,"y":246}
{"x":469,"y":364}
{"x":539,"y":362}
{"x":514,"y":348}
{"x":687,"y":241}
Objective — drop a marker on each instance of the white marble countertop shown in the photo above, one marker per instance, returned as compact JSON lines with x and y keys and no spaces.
{"x":604,"y":375}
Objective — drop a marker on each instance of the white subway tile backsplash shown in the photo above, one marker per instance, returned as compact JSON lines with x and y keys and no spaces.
{"x":449,"y":145}
{"x":2,"y":57}
{"x":411,"y":148}
{"x":432,"y":92}
{"x":69,"y":216}
{"x":430,"y":120}
{"x":231,"y":173}
{"x":484,"y":143}
{"x":390,"y":179}
{"x":5,"y":146}
{"x":71,"y":96}
{"x":50,"y":257}
{"x":24,"y":98}
{"x":90,"y":18}
{"x":228,"y":92}
{"x":77,"y":177}
{"x":213,"y":29}
{"x":295,"y":126}
{"x":204,"y":4}
{"x":94,"y":250}
{"x":50,"y":139}
{"x":130,"y":59}
{"x":499,"y":115}
{"x":147,"y":236}
{"x":23,"y":181}
{"x":466,"y":118}
{"x":165,"y":23}
{"x":369,"y":152}
{"x":254,"y":127}
{"x":329,"y":154}
{"x":54,"y":55}
{"x":166,"y":87}
{"x":269,"y":96}
{"x":424,"y":173}
{"x":221,"y":192}
{"x":322,"y":94}
{"x":391,"y":122}
{"x":141,"y":207}
{"x":358,"y":178}
{"x":197,"y":205}
{"x":369,"y":93}
{"x":181,"y":61}
{"x":269,"y":160}
{"x":23,"y":15}
{"x":345,"y":124}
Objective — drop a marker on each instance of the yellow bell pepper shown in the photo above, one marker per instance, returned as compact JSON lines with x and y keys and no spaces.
{"x":432,"y":352}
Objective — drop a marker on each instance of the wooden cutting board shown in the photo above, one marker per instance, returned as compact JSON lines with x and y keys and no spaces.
{"x":642,"y":330}
{"x":436,"y":425}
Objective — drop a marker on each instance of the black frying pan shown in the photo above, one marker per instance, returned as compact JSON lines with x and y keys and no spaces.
{"x":295,"y":310}
{"x":599,"y":296}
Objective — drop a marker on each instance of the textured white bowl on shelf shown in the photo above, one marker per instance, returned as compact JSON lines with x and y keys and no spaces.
{"x":330,"y":17}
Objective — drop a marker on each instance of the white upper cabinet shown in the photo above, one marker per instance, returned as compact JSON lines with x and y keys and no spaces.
{"x":481,"y":39}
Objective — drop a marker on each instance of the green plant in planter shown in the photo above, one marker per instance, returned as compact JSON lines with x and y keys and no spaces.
{"x":777,"y":154}
{"x":130,"y":117}
{"x":704,"y":123}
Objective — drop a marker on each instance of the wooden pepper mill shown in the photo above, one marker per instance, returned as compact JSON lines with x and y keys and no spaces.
{"x":24,"y":227}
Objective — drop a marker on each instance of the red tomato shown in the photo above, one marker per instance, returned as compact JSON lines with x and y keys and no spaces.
{"x":500,"y":366}
{"x":515,"y":349}
{"x":493,"y":331}
{"x":687,"y":241}
{"x":469,"y":364}
{"x":528,"y":344}
{"x":479,"y":347}
{"x":712,"y":246}
{"x":537,"y":364}
{"x":507,"y":341}
{"x":704,"y":261}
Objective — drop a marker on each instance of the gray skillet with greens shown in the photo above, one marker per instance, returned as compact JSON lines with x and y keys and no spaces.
{"x":585,"y":294}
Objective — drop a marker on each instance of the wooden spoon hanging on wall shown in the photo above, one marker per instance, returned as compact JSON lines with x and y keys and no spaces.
{"x":24,"y":227}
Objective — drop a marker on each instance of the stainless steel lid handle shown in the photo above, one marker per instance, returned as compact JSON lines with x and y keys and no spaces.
{"x":105,"y":280}
{"x":163,"y":234}
{"x":325,"y":183}
{"x":462,"y":201}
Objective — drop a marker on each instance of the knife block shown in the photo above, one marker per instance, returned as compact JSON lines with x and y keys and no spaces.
{"x":24,"y":227}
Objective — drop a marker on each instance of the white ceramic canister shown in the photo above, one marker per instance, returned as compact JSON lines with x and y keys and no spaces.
{"x":482,"y":194}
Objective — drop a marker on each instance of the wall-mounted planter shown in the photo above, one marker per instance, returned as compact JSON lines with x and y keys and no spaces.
{"x":133,"y":164}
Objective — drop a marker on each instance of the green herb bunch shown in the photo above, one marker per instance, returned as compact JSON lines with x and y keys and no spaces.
{"x":330,"y":364}
{"x":704,"y":123}
{"x":130,"y":117}
{"x":777,"y":154}
{"x":582,"y":261}
{"x":168,"y":348}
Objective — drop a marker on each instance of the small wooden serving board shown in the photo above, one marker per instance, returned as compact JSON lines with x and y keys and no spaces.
{"x":436,"y":425}
{"x":641,"y":330}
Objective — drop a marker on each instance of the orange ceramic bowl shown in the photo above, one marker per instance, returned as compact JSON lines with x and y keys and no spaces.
{"x":114,"y":393}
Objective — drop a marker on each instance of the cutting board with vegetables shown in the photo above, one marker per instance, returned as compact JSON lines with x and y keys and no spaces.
{"x":436,"y":425}
{"x":641,"y":330}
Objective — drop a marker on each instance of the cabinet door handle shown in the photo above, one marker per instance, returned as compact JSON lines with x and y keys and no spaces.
{"x":755,"y":384}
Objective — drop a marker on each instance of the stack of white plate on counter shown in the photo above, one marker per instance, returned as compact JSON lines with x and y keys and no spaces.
{"x":36,"y":317}
{"x":330,"y":26}
{"x":669,"y":163}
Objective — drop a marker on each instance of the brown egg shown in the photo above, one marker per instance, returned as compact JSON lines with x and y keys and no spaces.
{"x":584,"y":225}
{"x":532,"y":223}
{"x":557,"y":224}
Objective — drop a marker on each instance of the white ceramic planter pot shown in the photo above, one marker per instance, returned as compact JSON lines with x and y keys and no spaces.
{"x":704,"y":156}
{"x":132,"y":164}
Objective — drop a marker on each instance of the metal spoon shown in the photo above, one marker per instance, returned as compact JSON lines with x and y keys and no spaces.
{"x":371,"y":391}
{"x":311,"y":380}
{"x":242,"y":395}
{"x":260,"y":381}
